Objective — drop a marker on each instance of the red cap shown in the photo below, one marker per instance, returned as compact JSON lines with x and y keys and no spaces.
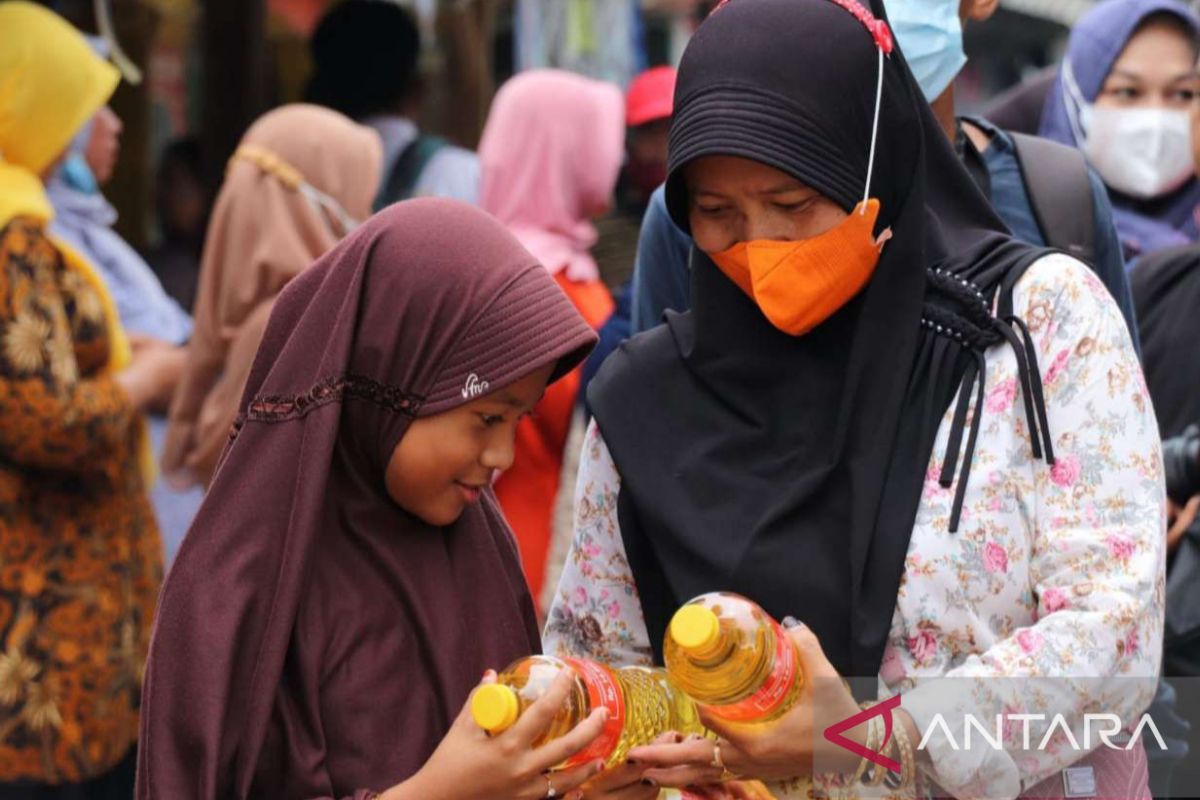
{"x":650,"y":96}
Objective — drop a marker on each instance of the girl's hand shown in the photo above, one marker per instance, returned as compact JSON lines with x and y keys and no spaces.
{"x":471,"y":765}
{"x":624,"y":782}
{"x":783,"y":749}
{"x":731,"y":790}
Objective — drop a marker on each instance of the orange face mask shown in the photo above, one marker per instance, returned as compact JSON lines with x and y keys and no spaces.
{"x":799,"y":285}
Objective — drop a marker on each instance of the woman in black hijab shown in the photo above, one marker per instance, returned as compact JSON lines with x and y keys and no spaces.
{"x":834,"y":430}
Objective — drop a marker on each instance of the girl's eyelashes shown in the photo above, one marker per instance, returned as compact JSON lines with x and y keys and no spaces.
{"x":492,"y":420}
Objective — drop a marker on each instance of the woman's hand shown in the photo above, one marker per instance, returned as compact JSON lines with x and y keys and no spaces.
{"x":783,"y":749}
{"x":150,"y":378}
{"x":624,"y":782}
{"x":471,"y":765}
{"x":1180,"y":519}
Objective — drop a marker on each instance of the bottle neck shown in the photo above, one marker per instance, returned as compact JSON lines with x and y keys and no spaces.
{"x":707,"y":652}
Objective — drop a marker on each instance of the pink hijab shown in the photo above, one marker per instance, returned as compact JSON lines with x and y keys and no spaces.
{"x":551,"y":153}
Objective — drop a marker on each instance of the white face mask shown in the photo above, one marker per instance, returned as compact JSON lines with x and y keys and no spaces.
{"x":1141,"y":152}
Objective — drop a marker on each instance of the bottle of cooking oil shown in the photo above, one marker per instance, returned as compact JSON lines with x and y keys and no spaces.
{"x":641,"y":704}
{"x":729,"y":656}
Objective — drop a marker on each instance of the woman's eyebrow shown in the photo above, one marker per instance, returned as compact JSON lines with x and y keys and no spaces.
{"x":787,"y":188}
{"x":1129,"y":76}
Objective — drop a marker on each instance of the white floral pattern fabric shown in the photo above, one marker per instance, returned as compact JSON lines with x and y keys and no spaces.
{"x":1055,"y":572}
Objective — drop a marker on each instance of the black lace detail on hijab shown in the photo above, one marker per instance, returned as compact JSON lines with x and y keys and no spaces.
{"x":281,"y":408}
{"x":969,"y":321}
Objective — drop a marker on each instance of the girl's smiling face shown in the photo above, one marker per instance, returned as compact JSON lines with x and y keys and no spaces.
{"x":444,"y":462}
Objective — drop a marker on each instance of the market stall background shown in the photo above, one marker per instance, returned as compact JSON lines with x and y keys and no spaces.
{"x":212,"y":66}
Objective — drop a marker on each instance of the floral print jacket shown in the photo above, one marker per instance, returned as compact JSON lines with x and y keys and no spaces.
{"x":1054,"y":573}
{"x":80,"y":557}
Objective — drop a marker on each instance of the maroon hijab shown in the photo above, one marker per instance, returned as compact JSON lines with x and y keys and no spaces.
{"x":313,"y":639}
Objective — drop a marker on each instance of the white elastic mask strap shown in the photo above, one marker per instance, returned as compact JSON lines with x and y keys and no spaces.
{"x":129,"y":71}
{"x":874,"y":134}
{"x":328,"y":207}
{"x":1073,"y":102}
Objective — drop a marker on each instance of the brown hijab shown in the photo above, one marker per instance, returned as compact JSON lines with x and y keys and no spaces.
{"x":314,"y":640}
{"x":265,"y":229}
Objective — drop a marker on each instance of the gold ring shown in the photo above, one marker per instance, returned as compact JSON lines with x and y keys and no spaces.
{"x":719,"y":763}
{"x":551,"y":792}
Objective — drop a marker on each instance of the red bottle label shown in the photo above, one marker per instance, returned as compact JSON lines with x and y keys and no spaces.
{"x":603,"y":690}
{"x":774,"y":690}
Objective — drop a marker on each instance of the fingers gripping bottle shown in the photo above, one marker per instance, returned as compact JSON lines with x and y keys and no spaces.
{"x":641,"y":704}
{"x":729,"y":656}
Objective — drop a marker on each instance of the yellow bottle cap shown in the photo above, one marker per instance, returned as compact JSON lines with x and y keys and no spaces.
{"x":495,"y":708}
{"x":695,"y":627}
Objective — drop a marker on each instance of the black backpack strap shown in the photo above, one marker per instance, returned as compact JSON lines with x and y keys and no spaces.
{"x":411,"y":162}
{"x":1060,"y":192}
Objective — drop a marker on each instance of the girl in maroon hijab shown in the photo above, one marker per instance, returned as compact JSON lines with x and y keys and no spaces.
{"x":349,"y":577}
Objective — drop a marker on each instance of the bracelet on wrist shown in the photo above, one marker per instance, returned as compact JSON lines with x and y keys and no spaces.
{"x":874,"y":734}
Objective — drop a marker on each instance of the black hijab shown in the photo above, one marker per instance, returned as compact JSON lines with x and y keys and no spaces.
{"x":1166,"y":294}
{"x":790,"y":469}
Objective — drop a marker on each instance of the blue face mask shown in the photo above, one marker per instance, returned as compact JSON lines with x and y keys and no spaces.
{"x":78,"y":175}
{"x":931,"y":37}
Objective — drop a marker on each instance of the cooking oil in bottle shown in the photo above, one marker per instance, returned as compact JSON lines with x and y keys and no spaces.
{"x":641,"y":704}
{"x":731,"y":658}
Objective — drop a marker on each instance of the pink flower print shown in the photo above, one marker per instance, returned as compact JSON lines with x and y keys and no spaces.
{"x":604,"y":594}
{"x":1001,"y":397}
{"x":579,"y":596}
{"x":1131,"y":643}
{"x":892,"y":669}
{"x":1119,"y":547}
{"x":591,"y":549}
{"x":923,"y":647}
{"x":995,"y":558}
{"x":1054,"y":599}
{"x":1096,"y":287}
{"x":1057,"y":365}
{"x":1028,"y":764}
{"x":996,"y":504}
{"x":613,"y":609}
{"x":1029,"y":641}
{"x":1009,"y":727}
{"x":1065,"y":471}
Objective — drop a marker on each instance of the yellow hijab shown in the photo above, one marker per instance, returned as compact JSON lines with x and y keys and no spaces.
{"x":51,"y":83}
